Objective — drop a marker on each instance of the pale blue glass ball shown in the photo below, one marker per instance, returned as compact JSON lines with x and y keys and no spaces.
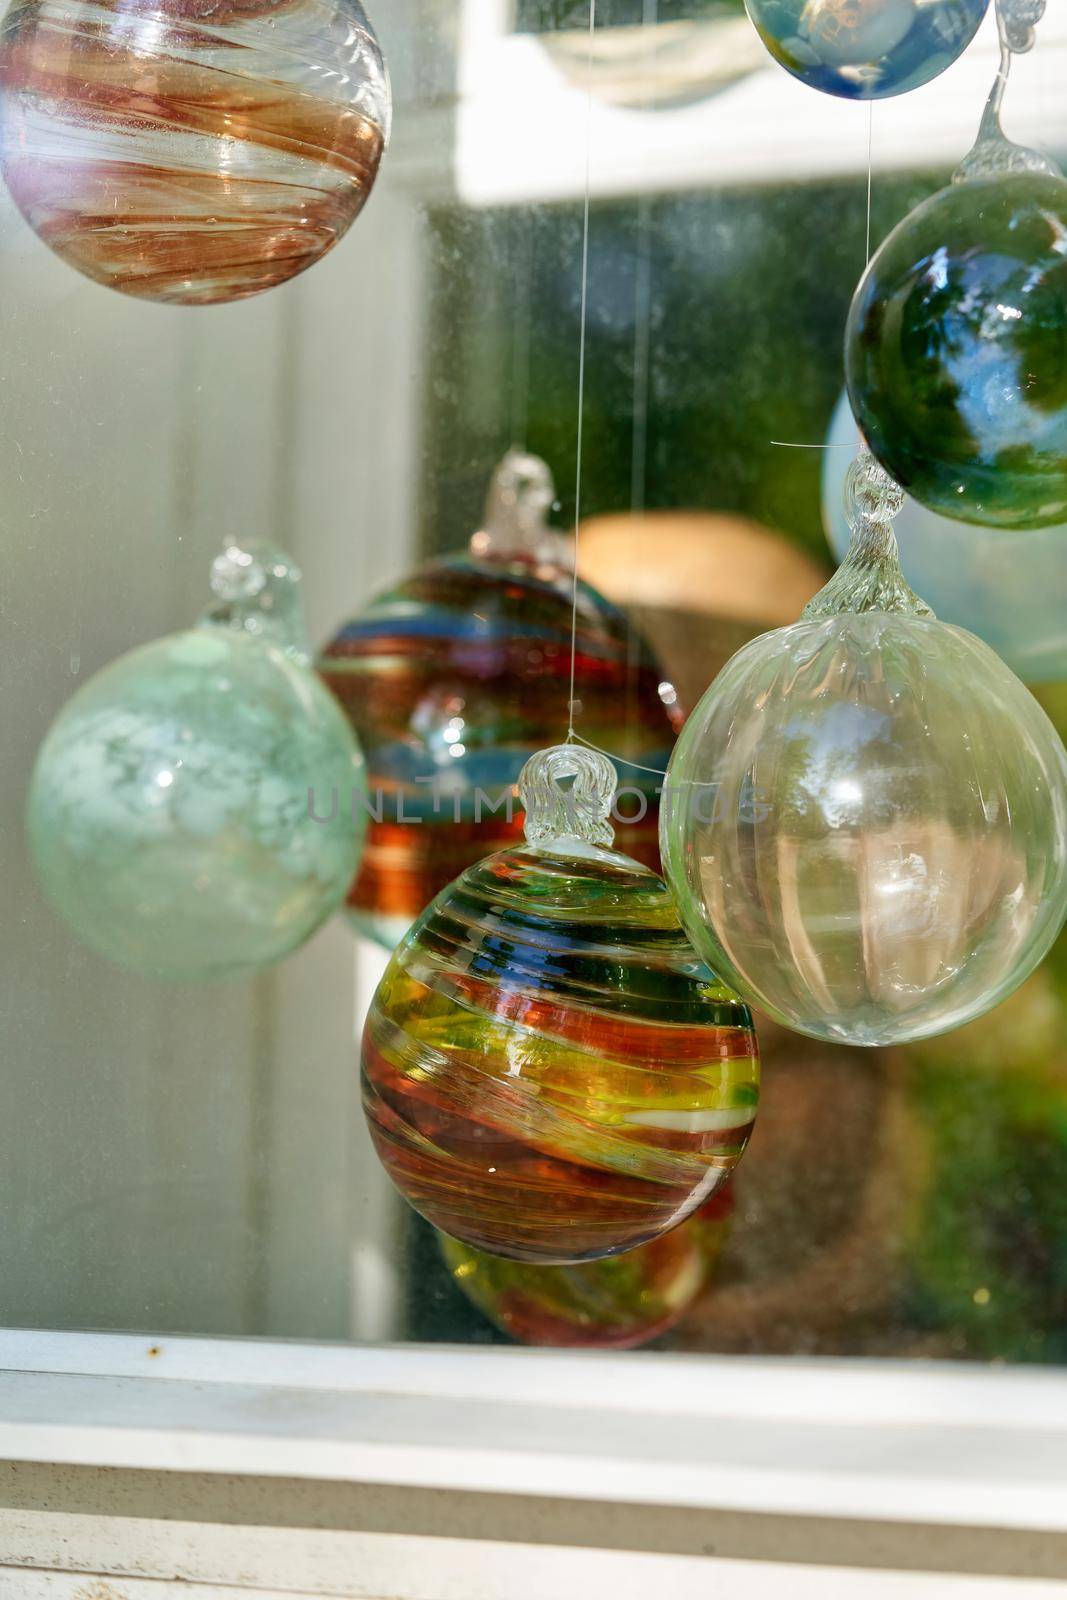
{"x":1009,"y":588}
{"x":173,"y":807}
{"x":866,"y":49}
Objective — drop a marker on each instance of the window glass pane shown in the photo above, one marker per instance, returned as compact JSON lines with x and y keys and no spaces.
{"x":194,"y":1158}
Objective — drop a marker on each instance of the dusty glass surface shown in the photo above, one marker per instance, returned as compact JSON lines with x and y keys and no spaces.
{"x":186,"y":1158}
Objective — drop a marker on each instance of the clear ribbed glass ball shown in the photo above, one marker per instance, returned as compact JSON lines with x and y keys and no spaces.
{"x":865,"y":819}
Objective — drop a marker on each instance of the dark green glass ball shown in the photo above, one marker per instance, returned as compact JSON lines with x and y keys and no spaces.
{"x":956,"y":352}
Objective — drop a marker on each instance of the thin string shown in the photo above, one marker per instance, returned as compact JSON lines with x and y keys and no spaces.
{"x":581,"y":366}
{"x":870,"y":180}
{"x":660,"y":772}
{"x":642,"y":340}
{"x":788,"y":444}
{"x":623,"y":761}
{"x":642,"y":308}
{"x":522,"y":256}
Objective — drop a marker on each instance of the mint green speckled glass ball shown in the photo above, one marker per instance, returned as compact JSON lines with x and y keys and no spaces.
{"x":169,"y":813}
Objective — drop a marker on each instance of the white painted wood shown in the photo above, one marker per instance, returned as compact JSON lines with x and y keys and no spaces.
{"x":417,"y":1569}
{"x":923,"y":1445}
{"x":125,"y":1139}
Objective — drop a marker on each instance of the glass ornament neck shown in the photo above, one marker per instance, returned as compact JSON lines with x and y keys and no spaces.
{"x":994,"y":154}
{"x":870,"y":577}
{"x":515,"y":522}
{"x":570,"y":819}
{"x":257,"y":591}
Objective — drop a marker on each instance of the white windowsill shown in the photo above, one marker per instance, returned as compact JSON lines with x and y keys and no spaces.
{"x":885,"y":1441}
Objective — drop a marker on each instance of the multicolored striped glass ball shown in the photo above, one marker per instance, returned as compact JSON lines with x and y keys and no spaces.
{"x":451,"y":680}
{"x":617,"y":1303}
{"x":191,"y":151}
{"x":550,"y":1073}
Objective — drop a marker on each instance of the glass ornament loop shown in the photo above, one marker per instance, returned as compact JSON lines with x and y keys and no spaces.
{"x":1017,"y":20}
{"x":257,"y":591}
{"x":1008,"y":588}
{"x":870,"y":577}
{"x":521,"y":493}
{"x":559,"y":817}
{"x":994,"y":153}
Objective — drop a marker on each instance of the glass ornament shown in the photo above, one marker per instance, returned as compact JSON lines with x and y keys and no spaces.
{"x":865,"y":819}
{"x":956,"y":346}
{"x":1008,"y":588}
{"x":616,"y":1303}
{"x":549,"y":1072}
{"x":866,"y":49}
{"x":191,"y":151}
{"x":453,"y":678}
{"x":196,"y":809}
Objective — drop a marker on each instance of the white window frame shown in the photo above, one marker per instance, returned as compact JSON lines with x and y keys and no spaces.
{"x":204,"y":1467}
{"x":518,"y":126}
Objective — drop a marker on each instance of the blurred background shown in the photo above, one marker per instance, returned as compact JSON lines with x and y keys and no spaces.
{"x":195,"y":1160}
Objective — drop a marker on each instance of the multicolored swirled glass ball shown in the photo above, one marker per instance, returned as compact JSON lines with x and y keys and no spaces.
{"x":956,"y":352}
{"x":866,"y":49}
{"x":169,"y":813}
{"x":616,"y":1303}
{"x":451,"y":680}
{"x":549,"y":1072}
{"x":190,"y":151}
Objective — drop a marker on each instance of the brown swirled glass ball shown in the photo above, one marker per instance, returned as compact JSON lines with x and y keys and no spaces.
{"x":191,"y":151}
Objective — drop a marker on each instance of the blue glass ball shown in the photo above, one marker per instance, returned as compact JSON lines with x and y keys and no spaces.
{"x":956,"y":352}
{"x":866,"y":49}
{"x":173,"y":807}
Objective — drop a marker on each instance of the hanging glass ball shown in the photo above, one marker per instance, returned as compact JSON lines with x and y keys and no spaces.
{"x":453,"y":678}
{"x":865,"y":821}
{"x":616,"y":1303}
{"x":1008,"y":588}
{"x":549,"y":1072}
{"x":866,"y":49}
{"x":190,"y":151}
{"x":196,"y":809}
{"x":956,"y":351}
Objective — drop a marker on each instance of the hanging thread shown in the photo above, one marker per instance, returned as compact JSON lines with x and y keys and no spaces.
{"x":788,"y":444}
{"x":583,"y":303}
{"x":522,"y":260}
